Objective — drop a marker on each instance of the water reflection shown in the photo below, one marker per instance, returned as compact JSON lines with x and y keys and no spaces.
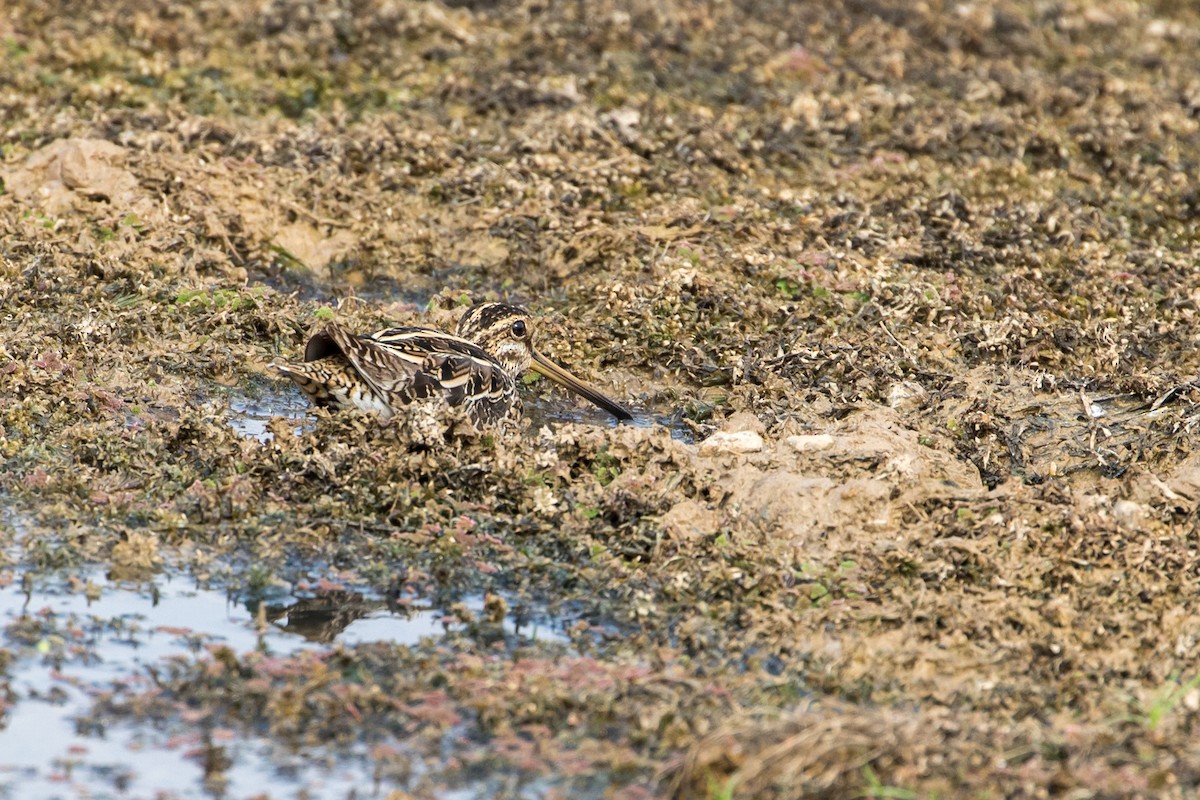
{"x":251,"y":414}
{"x":321,"y":618}
{"x":72,"y":638}
{"x":353,"y":617}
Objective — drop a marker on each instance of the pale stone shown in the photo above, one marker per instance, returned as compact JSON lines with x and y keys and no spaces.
{"x":906,"y":396}
{"x":810,"y":443}
{"x":732,"y":442}
{"x":1129,"y":513}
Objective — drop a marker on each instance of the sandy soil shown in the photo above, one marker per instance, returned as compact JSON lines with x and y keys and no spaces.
{"x":905,"y":296}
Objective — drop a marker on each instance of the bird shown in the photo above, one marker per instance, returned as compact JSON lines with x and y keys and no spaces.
{"x":478,"y":367}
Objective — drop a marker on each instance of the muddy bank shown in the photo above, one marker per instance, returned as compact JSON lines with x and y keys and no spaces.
{"x":903,"y":298}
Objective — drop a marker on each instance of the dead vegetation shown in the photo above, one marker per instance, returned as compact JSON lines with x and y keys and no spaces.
{"x":940,"y":258}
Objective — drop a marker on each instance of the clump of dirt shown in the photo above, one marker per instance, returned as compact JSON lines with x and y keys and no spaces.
{"x":918,"y":281}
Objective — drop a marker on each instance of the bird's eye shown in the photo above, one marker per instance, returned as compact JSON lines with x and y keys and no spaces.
{"x":518,"y":329}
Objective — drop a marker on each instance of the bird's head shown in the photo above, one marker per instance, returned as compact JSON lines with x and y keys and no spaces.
{"x":506,"y":333}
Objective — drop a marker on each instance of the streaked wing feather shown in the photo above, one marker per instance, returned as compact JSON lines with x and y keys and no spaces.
{"x":408,"y":363}
{"x":419,"y":342}
{"x":384,"y":371}
{"x":466,"y":379}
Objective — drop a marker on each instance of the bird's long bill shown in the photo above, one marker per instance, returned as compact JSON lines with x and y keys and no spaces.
{"x":554,"y":372}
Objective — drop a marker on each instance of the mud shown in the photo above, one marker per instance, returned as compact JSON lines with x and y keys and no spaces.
{"x":903,"y":296}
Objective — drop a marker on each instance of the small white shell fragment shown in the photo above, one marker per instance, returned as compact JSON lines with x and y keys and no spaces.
{"x":810,"y":443}
{"x":732,"y":442}
{"x":906,"y":395}
{"x":1129,"y":513}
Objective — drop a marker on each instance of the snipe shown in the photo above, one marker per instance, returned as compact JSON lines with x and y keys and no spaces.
{"x":478,"y":368}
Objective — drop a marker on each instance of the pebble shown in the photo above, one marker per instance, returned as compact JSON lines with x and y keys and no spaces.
{"x":1129,"y":513}
{"x":906,"y":396}
{"x":810,"y":443}
{"x":732,"y":442}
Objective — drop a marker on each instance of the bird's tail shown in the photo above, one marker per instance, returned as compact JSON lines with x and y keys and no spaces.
{"x":312,"y":379}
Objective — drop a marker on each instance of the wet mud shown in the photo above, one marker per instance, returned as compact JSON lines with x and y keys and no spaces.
{"x":903,"y":298}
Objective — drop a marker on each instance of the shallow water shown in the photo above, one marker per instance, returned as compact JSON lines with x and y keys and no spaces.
{"x":70,"y":649}
{"x":547,"y":411}
{"x":88,"y":645}
{"x":250,"y":414}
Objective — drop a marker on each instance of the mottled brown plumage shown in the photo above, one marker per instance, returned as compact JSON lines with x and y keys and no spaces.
{"x":478,"y":368}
